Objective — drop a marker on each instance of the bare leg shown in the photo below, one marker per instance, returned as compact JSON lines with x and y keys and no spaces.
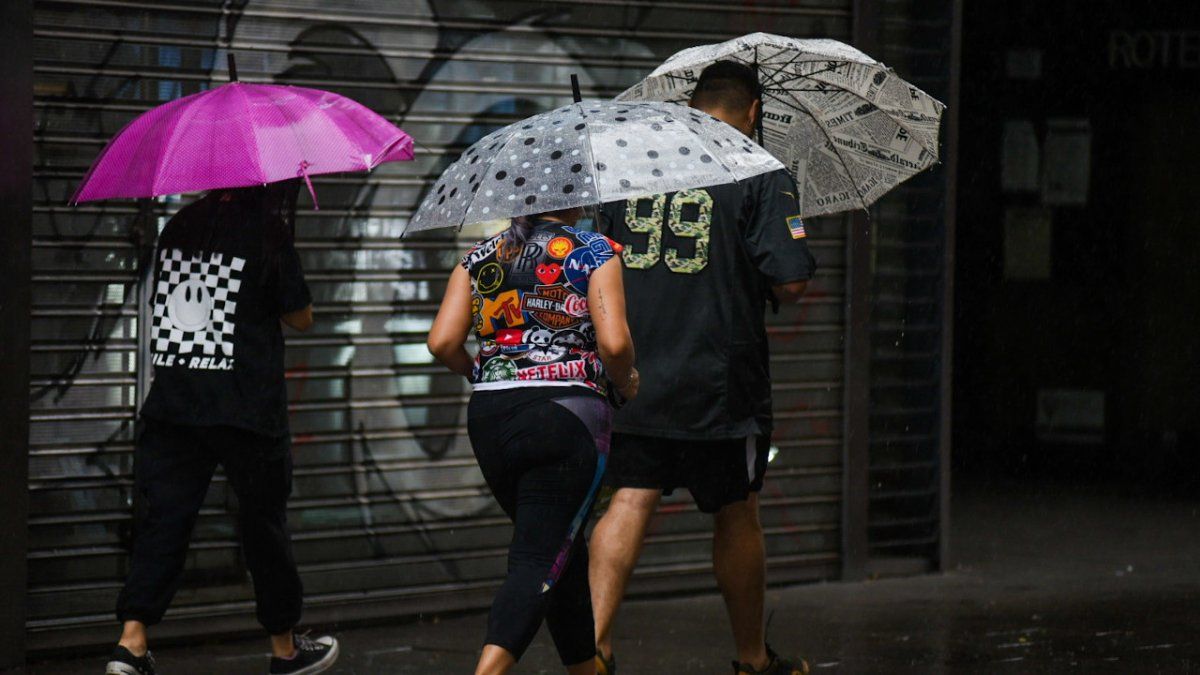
{"x":133,"y":638}
{"x":495,"y":660}
{"x":282,"y":645}
{"x":615,"y":546}
{"x":739,"y":562}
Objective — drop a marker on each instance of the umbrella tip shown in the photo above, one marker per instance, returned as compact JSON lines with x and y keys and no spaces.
{"x":233,"y":74}
{"x":575,"y":88}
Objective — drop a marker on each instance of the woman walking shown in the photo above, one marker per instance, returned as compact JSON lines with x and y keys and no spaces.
{"x":547,"y":305}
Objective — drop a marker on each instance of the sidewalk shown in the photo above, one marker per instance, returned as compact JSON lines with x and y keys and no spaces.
{"x":1046,"y":582}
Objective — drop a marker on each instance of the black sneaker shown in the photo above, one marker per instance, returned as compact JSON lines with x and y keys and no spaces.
{"x":123,"y":662}
{"x":776,"y":666}
{"x":312,"y":656}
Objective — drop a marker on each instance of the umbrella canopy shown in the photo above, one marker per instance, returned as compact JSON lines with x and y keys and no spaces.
{"x":846,"y":126}
{"x":239,"y":135}
{"x":588,"y":153}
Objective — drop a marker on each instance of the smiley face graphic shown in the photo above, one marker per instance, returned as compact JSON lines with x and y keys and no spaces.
{"x":490,"y":277}
{"x":190,"y":306}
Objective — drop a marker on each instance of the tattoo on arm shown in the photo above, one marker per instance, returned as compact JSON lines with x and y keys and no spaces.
{"x":600,"y":297}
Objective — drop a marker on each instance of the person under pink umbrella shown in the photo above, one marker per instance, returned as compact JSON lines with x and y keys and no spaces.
{"x":227,"y":277}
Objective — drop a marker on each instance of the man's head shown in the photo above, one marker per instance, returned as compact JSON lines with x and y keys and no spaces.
{"x":729,"y":91}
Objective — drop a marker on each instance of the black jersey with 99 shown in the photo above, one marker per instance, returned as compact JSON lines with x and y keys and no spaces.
{"x":699,"y":266}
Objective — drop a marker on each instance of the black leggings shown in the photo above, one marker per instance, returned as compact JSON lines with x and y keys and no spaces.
{"x":542,"y":451}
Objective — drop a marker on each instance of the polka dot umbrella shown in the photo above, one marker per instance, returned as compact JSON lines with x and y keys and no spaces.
{"x":585,"y":153}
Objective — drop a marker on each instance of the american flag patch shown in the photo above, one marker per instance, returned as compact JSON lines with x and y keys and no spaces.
{"x":797,"y":227}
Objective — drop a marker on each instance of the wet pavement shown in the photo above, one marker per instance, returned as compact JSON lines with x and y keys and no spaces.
{"x":1045,"y":581}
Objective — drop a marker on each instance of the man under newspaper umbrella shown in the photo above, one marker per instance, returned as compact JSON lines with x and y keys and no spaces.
{"x":846,"y":126}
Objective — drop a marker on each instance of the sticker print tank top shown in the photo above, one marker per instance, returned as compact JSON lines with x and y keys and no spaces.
{"x":530,"y":309}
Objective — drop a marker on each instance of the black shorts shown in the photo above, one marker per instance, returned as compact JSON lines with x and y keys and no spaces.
{"x":716,"y":472}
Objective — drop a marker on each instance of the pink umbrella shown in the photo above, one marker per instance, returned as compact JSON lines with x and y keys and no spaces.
{"x":239,"y":135}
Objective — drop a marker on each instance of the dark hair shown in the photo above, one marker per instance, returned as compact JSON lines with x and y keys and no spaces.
{"x":727,"y":84}
{"x":273,"y":206}
{"x":521,"y":227}
{"x":518,"y":231}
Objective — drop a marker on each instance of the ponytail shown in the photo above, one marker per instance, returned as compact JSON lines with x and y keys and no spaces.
{"x":518,"y":232}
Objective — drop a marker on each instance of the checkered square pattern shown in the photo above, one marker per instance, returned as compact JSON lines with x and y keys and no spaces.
{"x":194,"y":303}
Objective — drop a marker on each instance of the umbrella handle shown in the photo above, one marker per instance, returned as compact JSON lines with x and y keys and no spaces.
{"x":304,"y":173}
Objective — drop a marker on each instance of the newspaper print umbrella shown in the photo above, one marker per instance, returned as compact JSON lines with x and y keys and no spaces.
{"x":846,"y":126}
{"x":587,"y":153}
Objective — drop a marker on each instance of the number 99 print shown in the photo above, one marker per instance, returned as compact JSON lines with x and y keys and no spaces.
{"x":688,"y":215}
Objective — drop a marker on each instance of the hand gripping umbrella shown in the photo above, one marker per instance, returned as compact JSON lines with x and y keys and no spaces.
{"x":238,"y":135}
{"x":587,"y":153}
{"x":846,"y":126}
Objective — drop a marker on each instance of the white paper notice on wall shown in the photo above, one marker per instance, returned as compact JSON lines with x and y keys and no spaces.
{"x":1066,"y":162}
{"x":1020,"y":157}
{"x":1027,"y":242}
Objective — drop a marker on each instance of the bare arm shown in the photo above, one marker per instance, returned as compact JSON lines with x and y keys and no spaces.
{"x":301,"y":319}
{"x":790,"y":293}
{"x":606,"y":304}
{"x":448,"y":335}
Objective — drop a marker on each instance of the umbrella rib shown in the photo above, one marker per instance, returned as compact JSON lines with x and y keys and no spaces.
{"x":798,"y":76}
{"x":779,"y":69}
{"x":462,"y":221}
{"x":591,"y":158}
{"x":837,"y":153}
{"x":892,"y":116}
{"x":300,"y":145}
{"x":187,"y":114}
{"x":367,"y":133}
{"x":781,"y":82}
{"x":253,"y":137}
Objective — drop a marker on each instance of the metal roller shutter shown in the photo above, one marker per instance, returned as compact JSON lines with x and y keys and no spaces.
{"x":907,"y":319}
{"x":389,"y":512}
